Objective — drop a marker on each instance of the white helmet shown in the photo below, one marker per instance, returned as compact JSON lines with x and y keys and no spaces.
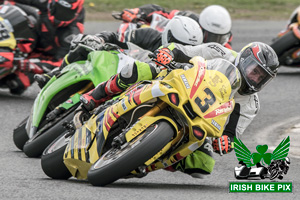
{"x":216,"y":24}
{"x":182,"y":30}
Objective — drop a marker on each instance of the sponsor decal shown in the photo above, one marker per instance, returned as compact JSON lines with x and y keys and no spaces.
{"x":218,"y":126}
{"x":215,"y":80}
{"x":185,"y":81}
{"x":225,"y":108}
{"x":217,"y":48}
{"x":70,"y":101}
{"x":123,"y":105}
{"x":199,"y":78}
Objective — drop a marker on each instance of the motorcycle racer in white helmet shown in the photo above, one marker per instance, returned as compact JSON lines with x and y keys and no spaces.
{"x":216,"y":24}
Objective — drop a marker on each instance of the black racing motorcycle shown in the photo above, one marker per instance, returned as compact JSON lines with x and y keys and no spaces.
{"x":287,"y":43}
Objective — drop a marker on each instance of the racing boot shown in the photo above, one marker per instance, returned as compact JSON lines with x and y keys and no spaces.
{"x":198,"y":164}
{"x":103,"y":92}
{"x":42,"y":79}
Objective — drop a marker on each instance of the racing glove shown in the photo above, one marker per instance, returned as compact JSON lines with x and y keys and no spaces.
{"x":163,"y":56}
{"x":81,"y":46}
{"x":223,"y":145}
{"x":26,"y":66}
{"x":130,"y":15}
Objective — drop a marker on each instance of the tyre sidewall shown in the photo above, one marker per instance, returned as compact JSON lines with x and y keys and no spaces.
{"x":35,"y":147}
{"x":52,"y":163}
{"x":134,"y":158}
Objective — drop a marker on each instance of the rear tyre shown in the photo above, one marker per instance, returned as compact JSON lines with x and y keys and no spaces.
{"x":52,"y":159}
{"x":284,"y":43}
{"x":20,"y":136}
{"x":117,"y":163}
{"x":35,"y":146}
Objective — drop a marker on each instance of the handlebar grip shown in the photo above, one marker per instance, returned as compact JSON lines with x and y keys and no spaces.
{"x":151,"y":55}
{"x":117,"y":15}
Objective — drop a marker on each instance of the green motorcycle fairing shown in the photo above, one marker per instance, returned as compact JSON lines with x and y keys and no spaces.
{"x":99,"y":67}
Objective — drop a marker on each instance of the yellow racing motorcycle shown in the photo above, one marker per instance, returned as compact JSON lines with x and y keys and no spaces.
{"x":151,"y":126}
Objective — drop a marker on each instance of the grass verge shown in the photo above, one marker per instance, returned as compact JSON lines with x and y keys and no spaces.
{"x":238,"y":9}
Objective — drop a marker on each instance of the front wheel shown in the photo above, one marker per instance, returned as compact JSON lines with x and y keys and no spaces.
{"x":35,"y":146}
{"x":52,"y":159}
{"x":117,"y":163}
{"x":20,"y":136}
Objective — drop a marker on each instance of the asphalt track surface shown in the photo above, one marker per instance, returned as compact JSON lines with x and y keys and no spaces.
{"x":23,"y":178}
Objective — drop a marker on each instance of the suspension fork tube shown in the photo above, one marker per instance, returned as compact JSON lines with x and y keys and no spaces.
{"x":156,"y":109}
{"x":87,"y":88}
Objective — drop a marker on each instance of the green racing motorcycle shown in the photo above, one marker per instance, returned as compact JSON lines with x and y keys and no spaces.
{"x":56,"y":102}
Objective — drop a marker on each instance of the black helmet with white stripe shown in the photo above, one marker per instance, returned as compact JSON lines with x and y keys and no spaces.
{"x":258,"y":64}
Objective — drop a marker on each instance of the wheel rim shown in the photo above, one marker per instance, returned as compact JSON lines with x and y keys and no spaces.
{"x":113,"y":154}
{"x":58,"y":144}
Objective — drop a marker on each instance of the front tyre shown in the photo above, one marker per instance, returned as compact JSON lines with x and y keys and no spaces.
{"x":35,"y":146}
{"x":52,"y":159}
{"x":117,"y":163}
{"x":20,"y":136}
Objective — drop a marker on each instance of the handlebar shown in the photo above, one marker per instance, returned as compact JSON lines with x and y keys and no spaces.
{"x":117,"y":15}
{"x":172,"y":65}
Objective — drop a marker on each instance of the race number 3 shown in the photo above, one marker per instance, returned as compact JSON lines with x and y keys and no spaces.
{"x":206,"y":102}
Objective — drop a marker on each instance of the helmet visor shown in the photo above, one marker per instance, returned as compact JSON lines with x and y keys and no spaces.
{"x":256,"y":76}
{"x":218,"y":38}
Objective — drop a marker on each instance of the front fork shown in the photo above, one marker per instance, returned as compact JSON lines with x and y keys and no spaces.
{"x":119,"y":140}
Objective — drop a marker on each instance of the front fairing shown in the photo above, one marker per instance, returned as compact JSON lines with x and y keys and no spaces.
{"x":99,"y":67}
{"x":208,"y":88}
{"x":83,"y":148}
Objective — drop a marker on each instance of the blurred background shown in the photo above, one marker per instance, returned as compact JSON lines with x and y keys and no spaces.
{"x":100,"y":10}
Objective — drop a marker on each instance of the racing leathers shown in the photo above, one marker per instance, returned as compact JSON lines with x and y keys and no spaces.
{"x":51,"y":45}
{"x":200,"y":162}
{"x":146,"y":38}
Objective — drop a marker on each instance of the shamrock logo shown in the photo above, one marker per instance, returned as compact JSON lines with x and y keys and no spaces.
{"x":251,"y":159}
